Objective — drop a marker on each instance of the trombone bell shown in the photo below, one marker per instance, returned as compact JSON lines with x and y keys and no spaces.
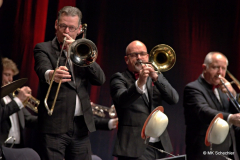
{"x":163,"y":57}
{"x":83,"y":52}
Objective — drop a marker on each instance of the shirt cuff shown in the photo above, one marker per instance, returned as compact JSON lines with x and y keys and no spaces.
{"x":230,"y":125}
{"x":139,"y":90}
{"x":111,"y":125}
{"x":19,"y":102}
{"x":47,"y":76}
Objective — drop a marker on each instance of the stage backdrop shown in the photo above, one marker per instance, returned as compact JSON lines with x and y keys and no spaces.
{"x":191,"y":27}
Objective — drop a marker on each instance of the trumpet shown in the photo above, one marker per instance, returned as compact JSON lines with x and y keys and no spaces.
{"x":100,"y":110}
{"x":162,"y":57}
{"x":32,"y":103}
{"x":82,"y":53}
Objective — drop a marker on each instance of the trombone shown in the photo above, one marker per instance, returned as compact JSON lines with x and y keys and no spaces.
{"x":229,"y":94}
{"x":82,"y":53}
{"x":162,"y":57}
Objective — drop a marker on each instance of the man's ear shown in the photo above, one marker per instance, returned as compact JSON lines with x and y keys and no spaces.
{"x":56,"y":24}
{"x":204,"y":67}
{"x":126,"y":59}
{"x":79,"y":30}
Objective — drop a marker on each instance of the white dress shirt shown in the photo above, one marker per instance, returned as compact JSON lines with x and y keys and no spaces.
{"x":15,"y":125}
{"x":144,"y":91}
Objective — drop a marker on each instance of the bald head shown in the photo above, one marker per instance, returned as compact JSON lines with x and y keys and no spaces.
{"x":135,"y":51}
{"x":210,"y":55}
{"x":135,"y":44}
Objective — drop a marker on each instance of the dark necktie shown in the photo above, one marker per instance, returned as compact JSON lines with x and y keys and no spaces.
{"x":64,"y":48}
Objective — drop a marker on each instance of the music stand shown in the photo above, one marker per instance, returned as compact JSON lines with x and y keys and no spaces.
{"x":181,"y":157}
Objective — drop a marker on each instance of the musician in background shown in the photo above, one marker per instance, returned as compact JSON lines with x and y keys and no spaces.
{"x":103,"y":123}
{"x":203,"y":100}
{"x":17,"y":117}
{"x":65,"y":134}
{"x":135,"y":93}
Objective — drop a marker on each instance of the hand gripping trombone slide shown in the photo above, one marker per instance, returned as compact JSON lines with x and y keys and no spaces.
{"x":59,"y":84}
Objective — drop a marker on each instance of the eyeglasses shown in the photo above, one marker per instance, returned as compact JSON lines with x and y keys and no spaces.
{"x":142,"y":54}
{"x":71,"y":28}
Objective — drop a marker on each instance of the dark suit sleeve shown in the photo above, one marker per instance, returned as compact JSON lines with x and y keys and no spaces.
{"x":121,"y":94}
{"x":7,"y":110}
{"x":95,"y":74}
{"x":101,"y":123}
{"x":168,"y":93}
{"x":42,"y":61}
{"x":197,"y":108}
{"x":30,"y":120}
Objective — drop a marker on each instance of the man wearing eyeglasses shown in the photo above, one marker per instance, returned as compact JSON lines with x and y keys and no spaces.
{"x":64,"y":134}
{"x":135,"y":93}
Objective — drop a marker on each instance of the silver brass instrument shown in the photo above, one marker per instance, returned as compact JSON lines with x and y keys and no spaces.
{"x":32,"y":103}
{"x":162,"y":57}
{"x":82,"y":53}
{"x":102,"y":110}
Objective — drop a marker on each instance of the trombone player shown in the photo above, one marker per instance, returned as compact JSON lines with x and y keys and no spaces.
{"x":17,"y":117}
{"x":64,"y":134}
{"x":203,"y":100}
{"x":135,"y":93}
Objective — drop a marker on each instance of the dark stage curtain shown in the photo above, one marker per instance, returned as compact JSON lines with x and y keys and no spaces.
{"x":191,"y":27}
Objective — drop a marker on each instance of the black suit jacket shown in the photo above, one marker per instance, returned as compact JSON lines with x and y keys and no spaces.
{"x":200,"y":107}
{"x":133,"y":109}
{"x":46,"y":55}
{"x":26,"y":119}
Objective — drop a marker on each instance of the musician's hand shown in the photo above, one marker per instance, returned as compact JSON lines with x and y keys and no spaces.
{"x":61,"y":74}
{"x":143,"y":75}
{"x":113,"y":123}
{"x":24,"y":93}
{"x":153,"y":73}
{"x":235,"y":119}
{"x":228,"y":85}
{"x":69,"y":40}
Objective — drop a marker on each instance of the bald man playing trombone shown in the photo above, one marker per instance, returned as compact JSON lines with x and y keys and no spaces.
{"x":203,"y":100}
{"x":135,"y":93}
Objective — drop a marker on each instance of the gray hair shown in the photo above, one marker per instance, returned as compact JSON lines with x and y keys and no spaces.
{"x":70,"y":11}
{"x":208,"y":58}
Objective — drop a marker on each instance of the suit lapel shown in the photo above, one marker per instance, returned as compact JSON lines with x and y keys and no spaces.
{"x":215,"y":100}
{"x":224,"y":100}
{"x":216,"y":104}
{"x":21,"y":118}
{"x":19,"y":113}
{"x":77,"y":72}
{"x":132,"y":79}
